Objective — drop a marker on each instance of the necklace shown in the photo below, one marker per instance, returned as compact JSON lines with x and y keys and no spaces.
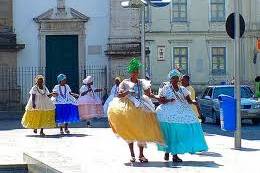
{"x":177,"y":95}
{"x":40,"y":90}
{"x":65,"y":92}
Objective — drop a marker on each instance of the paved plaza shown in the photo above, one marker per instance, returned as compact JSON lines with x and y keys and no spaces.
{"x":98,"y":150}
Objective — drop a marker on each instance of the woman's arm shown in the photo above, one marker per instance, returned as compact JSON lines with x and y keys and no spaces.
{"x":123,"y":94}
{"x":99,"y":90}
{"x":189,"y":100}
{"x":51,"y":94}
{"x":55,"y":94}
{"x":149,"y":93}
{"x":164,"y":100}
{"x":74,"y":95}
{"x":33,"y":101}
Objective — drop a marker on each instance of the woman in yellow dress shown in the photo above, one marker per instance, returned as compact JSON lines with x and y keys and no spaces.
{"x":132,"y":114}
{"x":39,"y":111}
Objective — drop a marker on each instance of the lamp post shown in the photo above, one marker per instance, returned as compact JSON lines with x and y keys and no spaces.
{"x":141,"y":5}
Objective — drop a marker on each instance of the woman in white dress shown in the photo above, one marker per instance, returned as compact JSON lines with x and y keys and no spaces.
{"x":40,"y":111}
{"x":66,"y":107}
{"x":89,"y":103}
{"x":180,"y":127}
{"x":113,"y":94}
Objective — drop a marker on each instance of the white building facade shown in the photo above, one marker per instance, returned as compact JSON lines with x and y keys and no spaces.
{"x":190,"y":35}
{"x":62,"y":36}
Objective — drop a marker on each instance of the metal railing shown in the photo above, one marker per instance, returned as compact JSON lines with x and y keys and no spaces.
{"x":16,"y":82}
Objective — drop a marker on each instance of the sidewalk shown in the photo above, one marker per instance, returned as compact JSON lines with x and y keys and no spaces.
{"x":98,"y":150}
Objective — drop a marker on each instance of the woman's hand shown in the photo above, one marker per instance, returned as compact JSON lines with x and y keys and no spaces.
{"x":55,"y":94}
{"x":50,"y":95}
{"x":74,"y":95}
{"x":163,"y":100}
{"x":84,"y":93}
{"x":34,"y":105}
{"x":123,"y":94}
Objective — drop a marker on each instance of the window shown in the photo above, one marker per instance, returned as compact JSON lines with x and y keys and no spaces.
{"x":205,"y":93}
{"x":210,"y":92}
{"x":218,"y":55}
{"x":217,"y":8}
{"x":5,"y":14}
{"x":180,"y":59}
{"x":179,"y":10}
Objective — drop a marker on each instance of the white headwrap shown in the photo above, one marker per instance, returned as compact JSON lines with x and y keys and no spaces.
{"x":88,"y":80}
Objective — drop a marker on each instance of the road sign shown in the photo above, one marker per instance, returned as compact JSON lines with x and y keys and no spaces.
{"x":230,"y":25}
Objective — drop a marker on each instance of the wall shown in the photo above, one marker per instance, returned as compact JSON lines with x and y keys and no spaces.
{"x":27,"y":30}
{"x":199,"y":35}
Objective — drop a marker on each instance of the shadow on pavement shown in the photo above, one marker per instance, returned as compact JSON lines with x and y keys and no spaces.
{"x":249,"y":131}
{"x":247,"y":149}
{"x":58,"y":136}
{"x":210,"y":164}
{"x":210,"y":154}
{"x":16,"y":124}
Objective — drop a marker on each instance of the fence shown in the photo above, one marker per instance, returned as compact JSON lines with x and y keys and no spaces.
{"x":16,"y":82}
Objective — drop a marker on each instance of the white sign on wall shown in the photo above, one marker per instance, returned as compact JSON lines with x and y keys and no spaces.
{"x":161,"y":53}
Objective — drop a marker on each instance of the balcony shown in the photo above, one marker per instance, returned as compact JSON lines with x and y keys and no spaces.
{"x":123,"y":49}
{"x":8,"y":41}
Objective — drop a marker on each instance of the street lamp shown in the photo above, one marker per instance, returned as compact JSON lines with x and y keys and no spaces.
{"x":141,"y":5}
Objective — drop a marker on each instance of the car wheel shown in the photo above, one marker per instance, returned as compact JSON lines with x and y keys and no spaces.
{"x":255,"y":121}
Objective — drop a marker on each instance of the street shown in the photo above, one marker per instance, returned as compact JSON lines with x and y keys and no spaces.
{"x":99,"y":150}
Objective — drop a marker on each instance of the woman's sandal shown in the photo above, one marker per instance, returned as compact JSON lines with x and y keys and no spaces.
{"x":42,"y":134}
{"x":132,"y":160}
{"x":166,"y":156}
{"x":143,"y":159}
{"x":176,"y":159}
{"x":67,"y":131}
{"x":61,"y":132}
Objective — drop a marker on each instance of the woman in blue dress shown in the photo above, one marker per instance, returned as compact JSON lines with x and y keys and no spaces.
{"x":66,"y":107}
{"x":180,"y":127}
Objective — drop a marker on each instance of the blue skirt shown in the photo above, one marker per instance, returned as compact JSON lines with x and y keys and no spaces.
{"x":182,"y":138}
{"x":66,"y":113}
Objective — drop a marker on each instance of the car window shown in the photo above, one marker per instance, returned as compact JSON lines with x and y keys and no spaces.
{"x":205,"y":93}
{"x":245,"y":92}
{"x":210,"y":92}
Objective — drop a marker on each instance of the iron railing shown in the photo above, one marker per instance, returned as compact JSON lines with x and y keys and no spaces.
{"x":16,"y":82}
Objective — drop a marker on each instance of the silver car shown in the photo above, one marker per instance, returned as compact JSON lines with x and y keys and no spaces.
{"x":209,"y":103}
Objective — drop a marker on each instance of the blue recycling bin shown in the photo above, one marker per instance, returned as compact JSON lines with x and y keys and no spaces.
{"x":227,"y":112}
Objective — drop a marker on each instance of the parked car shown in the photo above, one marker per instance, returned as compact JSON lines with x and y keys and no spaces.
{"x":210,"y":107}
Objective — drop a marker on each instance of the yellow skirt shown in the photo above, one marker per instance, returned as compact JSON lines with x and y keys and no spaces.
{"x":132,"y":123}
{"x":36,"y":119}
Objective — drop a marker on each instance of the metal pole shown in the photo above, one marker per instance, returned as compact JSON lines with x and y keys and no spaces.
{"x":237,"y":78}
{"x":143,"y":40}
